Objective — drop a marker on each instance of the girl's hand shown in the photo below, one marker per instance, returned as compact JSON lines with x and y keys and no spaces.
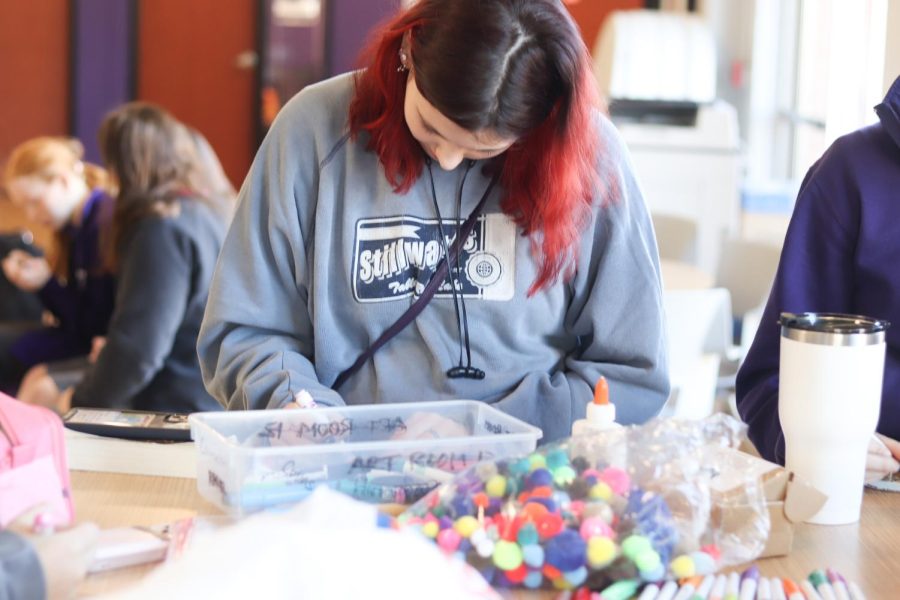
{"x":881,"y":461}
{"x":97,"y":345}
{"x":26,"y":272}
{"x":302,"y":399}
{"x":64,"y":555}
{"x":39,"y":388}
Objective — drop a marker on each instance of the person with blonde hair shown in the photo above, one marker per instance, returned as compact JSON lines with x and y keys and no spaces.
{"x":166,"y":231}
{"x":47,"y":178}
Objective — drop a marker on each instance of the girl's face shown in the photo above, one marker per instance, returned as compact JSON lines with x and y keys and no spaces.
{"x":50,"y":202}
{"x":442,"y":139}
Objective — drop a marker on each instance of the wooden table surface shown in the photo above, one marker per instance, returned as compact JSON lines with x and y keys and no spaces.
{"x":867,"y":552}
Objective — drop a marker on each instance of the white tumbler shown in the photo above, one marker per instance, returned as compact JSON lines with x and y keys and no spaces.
{"x":829,"y":399}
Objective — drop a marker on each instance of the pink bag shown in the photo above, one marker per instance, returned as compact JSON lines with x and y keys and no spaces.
{"x":33,"y":467}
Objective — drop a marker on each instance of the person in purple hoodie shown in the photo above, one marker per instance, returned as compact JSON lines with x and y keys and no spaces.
{"x":841,"y":255}
{"x":47,"y":178}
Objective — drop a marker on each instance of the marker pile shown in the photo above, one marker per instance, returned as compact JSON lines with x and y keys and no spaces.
{"x":749,"y":585}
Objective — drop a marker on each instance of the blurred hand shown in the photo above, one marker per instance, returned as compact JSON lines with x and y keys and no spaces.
{"x":302,"y":399}
{"x":97,"y":345}
{"x":883,"y":457}
{"x":64,"y":555}
{"x":26,"y":272}
{"x":39,"y":389}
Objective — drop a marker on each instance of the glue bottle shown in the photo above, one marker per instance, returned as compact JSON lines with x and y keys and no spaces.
{"x":601,"y":414}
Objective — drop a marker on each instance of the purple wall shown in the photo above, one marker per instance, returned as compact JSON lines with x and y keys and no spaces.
{"x":349,"y":23}
{"x":101,"y":65}
{"x":294,"y":55}
{"x":104,"y":40}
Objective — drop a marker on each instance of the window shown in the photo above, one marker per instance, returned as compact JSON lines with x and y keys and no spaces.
{"x":818,"y":69}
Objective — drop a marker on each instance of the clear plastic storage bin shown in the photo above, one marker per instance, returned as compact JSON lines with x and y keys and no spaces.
{"x":385,"y":453}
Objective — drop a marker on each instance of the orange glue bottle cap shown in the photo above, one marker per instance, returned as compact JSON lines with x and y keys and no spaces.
{"x":601,"y":410}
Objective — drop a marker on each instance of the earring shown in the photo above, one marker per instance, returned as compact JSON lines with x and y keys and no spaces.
{"x":403,"y":60}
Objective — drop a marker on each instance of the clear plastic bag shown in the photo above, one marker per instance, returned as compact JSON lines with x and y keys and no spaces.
{"x":641,"y":502}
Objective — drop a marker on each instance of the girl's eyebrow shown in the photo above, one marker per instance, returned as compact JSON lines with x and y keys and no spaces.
{"x":427,"y":125}
{"x":431,"y":129}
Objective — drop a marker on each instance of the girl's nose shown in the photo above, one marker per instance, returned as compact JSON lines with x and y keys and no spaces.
{"x":448,"y":157}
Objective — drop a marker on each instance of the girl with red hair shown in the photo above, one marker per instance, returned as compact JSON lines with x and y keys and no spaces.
{"x":455,"y":220}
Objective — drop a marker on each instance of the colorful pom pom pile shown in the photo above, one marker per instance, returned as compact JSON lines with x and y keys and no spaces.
{"x":548,"y":521}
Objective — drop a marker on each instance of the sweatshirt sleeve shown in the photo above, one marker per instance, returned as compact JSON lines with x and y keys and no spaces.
{"x":151,"y":299}
{"x":59,"y":300}
{"x":815,"y":273}
{"x":615,"y":313}
{"x":21,"y":575}
{"x":84,"y":312}
{"x":256,"y":341}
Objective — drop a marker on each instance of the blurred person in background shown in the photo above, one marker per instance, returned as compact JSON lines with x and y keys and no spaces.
{"x":167,"y":229}
{"x":47,"y":178}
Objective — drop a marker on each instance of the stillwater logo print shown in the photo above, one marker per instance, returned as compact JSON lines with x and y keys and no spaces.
{"x":395,"y":258}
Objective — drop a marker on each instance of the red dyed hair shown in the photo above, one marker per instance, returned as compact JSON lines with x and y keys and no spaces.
{"x":550,"y":175}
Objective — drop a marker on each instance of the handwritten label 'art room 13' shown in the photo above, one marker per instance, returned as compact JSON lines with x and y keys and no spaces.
{"x":325,"y":431}
{"x":395,"y":257}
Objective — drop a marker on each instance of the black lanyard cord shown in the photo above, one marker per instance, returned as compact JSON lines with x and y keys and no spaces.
{"x":440,"y":223}
{"x":462,"y":297}
{"x":466,"y":371}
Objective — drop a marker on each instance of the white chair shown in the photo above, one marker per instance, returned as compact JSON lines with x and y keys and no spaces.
{"x":747,"y":269}
{"x":676,"y":237}
{"x":698,"y":326}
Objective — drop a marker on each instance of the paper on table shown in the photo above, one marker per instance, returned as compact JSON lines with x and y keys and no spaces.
{"x":891,"y":483}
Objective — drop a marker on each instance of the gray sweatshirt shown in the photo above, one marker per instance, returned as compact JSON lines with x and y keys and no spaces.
{"x":323,"y":256}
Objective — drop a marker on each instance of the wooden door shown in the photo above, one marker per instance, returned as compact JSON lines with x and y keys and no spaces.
{"x":34,"y":88}
{"x":197,"y":59}
{"x":34,"y":71}
{"x":589,"y":14}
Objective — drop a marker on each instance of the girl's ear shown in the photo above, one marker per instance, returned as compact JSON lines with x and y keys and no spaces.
{"x":405,"y":55}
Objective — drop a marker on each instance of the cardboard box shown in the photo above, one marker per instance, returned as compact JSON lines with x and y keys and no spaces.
{"x":789,"y":500}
